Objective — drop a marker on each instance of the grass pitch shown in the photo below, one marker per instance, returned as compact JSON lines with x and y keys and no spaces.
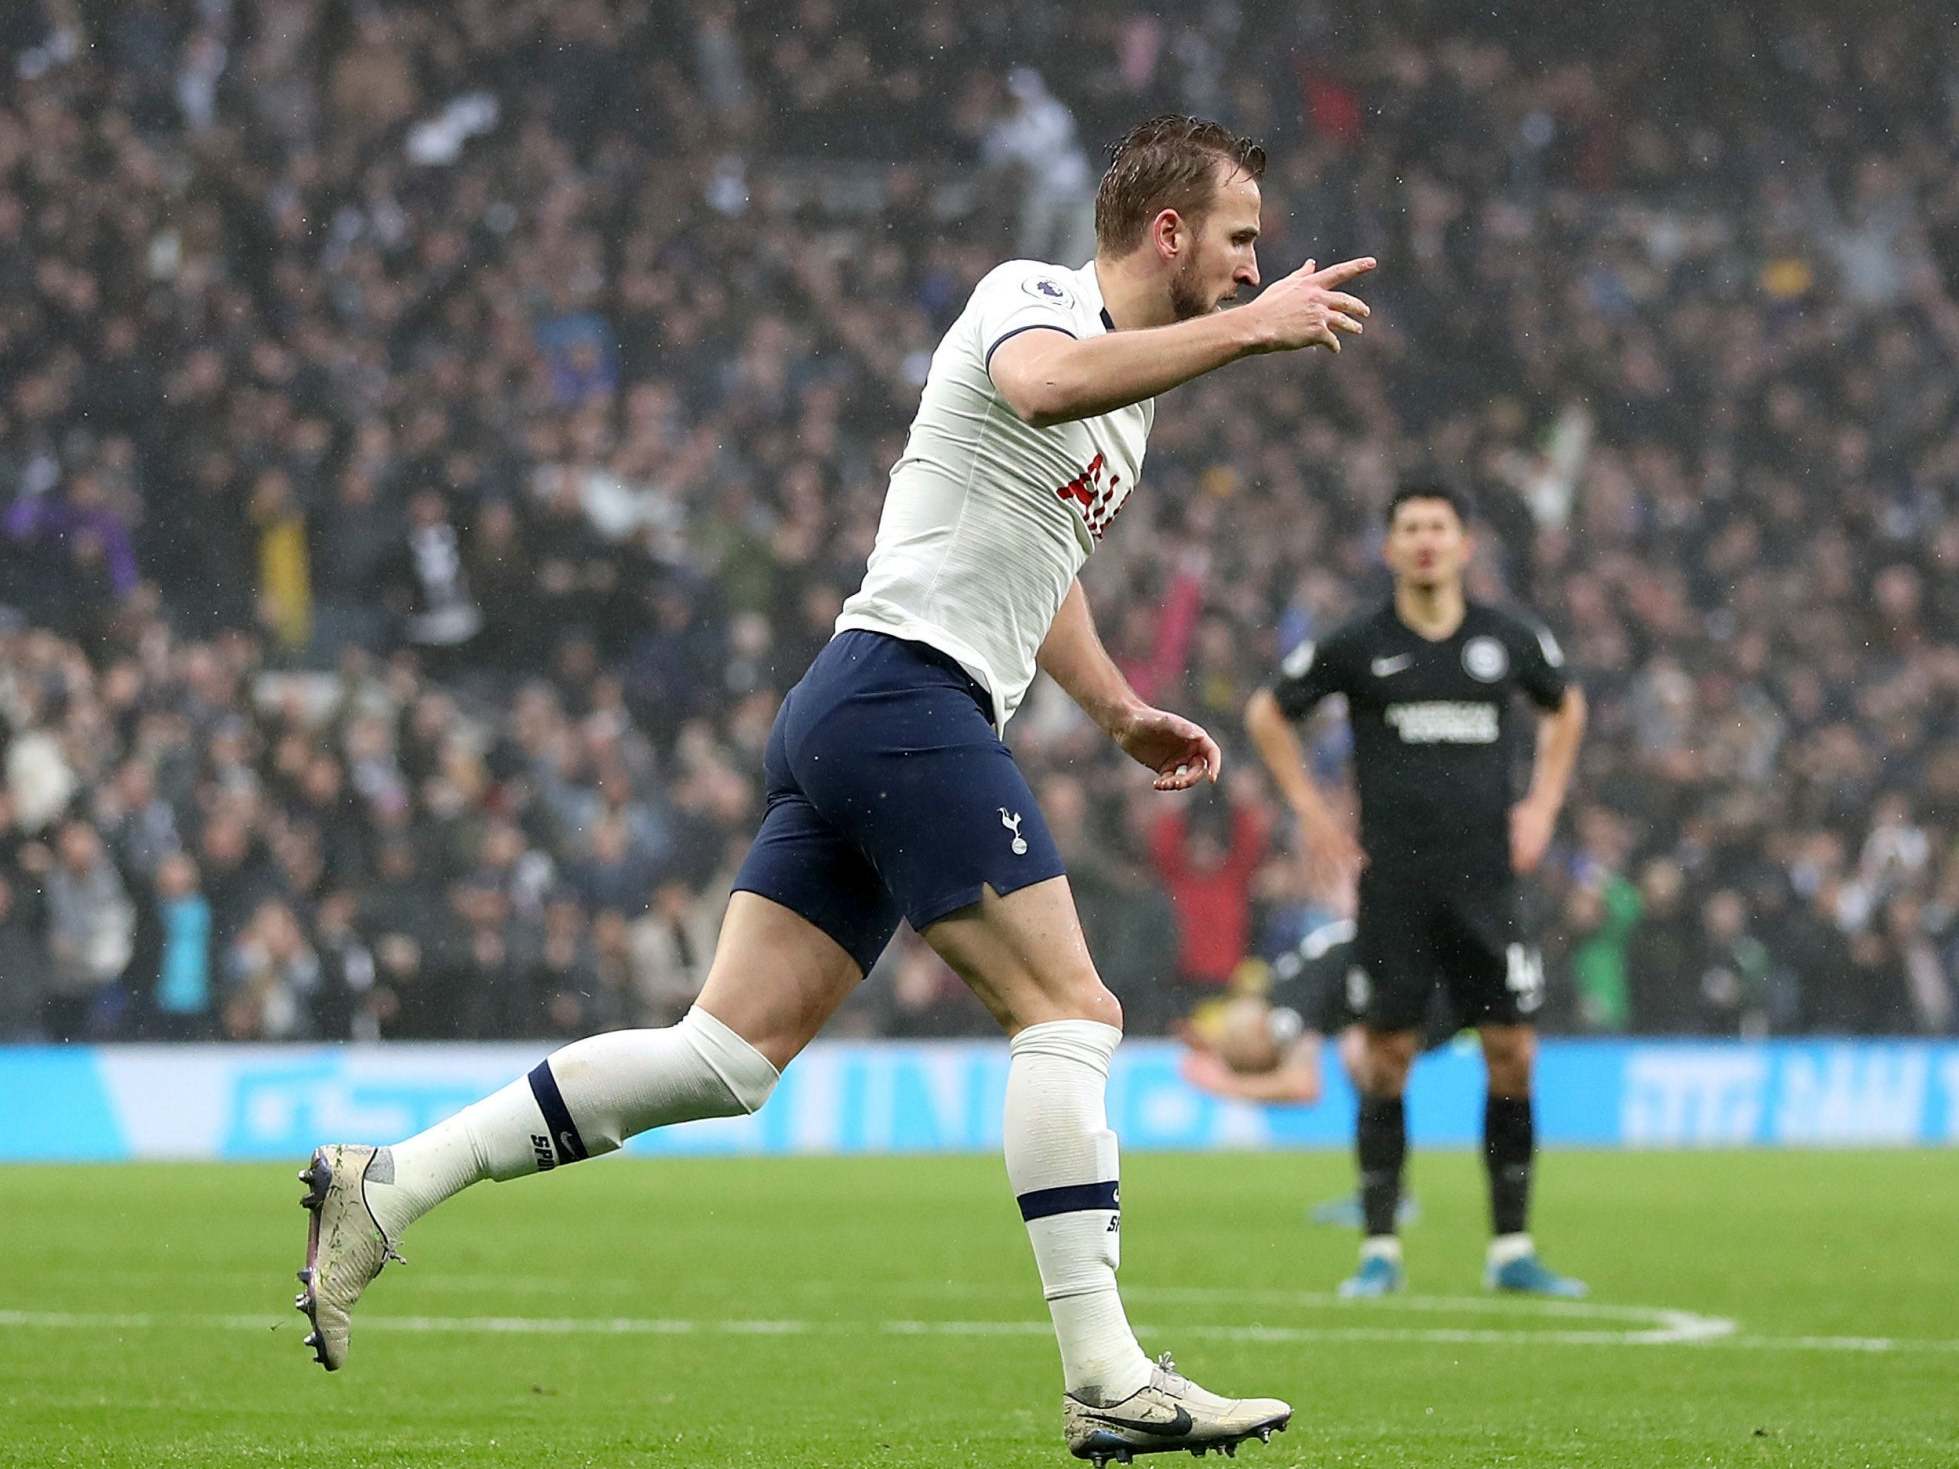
{"x":1776,"y":1309}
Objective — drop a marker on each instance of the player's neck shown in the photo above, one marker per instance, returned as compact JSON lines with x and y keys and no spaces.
{"x":1434,"y":612}
{"x":1133,"y":299}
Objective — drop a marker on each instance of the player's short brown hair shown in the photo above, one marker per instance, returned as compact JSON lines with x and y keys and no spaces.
{"x":1169,"y":162}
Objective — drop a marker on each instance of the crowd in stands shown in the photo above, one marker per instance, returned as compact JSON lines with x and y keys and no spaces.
{"x":432,"y":437}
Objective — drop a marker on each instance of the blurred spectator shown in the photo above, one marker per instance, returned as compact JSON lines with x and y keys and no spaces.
{"x":1660,"y":953}
{"x":672,"y":945}
{"x":183,"y":999}
{"x":428,"y":587}
{"x":1034,"y":136}
{"x":91,"y":934}
{"x":432,"y":439}
{"x":343,"y":1007}
{"x":562,"y":986}
{"x":25,"y":977}
{"x":1594,"y":932}
{"x":272,"y":975}
{"x":1206,"y":858}
{"x":1733,"y":966}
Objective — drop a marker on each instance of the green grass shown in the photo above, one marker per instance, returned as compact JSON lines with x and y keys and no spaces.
{"x":178,"y":1346}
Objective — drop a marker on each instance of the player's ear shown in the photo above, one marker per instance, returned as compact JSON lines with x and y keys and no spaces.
{"x":1169,"y":234}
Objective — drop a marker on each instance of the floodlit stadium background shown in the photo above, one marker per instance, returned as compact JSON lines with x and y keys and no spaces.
{"x":433,"y":437}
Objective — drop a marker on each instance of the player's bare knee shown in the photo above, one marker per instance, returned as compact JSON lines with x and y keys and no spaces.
{"x":1080,"y":997}
{"x":1100,"y":1004}
{"x":1508,"y":1055}
{"x":1386,"y":1060}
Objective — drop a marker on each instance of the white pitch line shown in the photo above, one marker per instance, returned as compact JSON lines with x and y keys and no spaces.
{"x":1865,"y":1344}
{"x":1667,"y":1328}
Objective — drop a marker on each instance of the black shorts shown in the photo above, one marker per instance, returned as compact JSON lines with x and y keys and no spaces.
{"x":1417,"y":934}
{"x":1344,"y":1003}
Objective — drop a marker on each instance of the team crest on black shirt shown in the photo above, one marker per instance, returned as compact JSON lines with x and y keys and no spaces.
{"x":1485,"y":659}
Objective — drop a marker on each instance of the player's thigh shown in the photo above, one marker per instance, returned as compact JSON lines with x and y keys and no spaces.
{"x":776,"y":977}
{"x":1023,"y":954}
{"x":1395,"y":962}
{"x":807,"y":920}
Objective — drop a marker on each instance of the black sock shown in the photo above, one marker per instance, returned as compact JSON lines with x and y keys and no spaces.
{"x":1381,"y":1142}
{"x":1509,"y":1143}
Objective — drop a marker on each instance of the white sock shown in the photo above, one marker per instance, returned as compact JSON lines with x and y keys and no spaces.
{"x":585,"y":1099}
{"x":1381,"y":1247}
{"x":1061,"y":1161}
{"x":1507,"y":1247}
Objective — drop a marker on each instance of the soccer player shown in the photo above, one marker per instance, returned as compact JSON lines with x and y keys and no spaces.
{"x":890,"y":793}
{"x":1429,"y":680}
{"x":1266,"y":1047}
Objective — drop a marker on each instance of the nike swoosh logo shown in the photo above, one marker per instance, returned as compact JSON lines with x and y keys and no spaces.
{"x":1382,"y":667}
{"x":1177,"y":1427}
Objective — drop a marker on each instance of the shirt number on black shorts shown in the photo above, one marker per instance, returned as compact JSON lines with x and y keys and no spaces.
{"x":1525,"y":976}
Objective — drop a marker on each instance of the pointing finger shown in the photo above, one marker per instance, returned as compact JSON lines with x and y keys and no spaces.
{"x":1346,"y":270}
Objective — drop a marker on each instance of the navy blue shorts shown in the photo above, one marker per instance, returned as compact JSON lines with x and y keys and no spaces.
{"x":890,"y":794}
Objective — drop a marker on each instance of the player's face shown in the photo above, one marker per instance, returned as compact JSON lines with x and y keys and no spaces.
{"x":1427,"y":545}
{"x":1224,"y":250}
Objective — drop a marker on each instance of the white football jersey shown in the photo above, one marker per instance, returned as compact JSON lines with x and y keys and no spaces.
{"x":987,"y":519}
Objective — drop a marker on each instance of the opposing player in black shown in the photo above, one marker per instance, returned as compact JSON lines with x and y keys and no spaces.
{"x":1266,"y":1047}
{"x":1430,"y":680}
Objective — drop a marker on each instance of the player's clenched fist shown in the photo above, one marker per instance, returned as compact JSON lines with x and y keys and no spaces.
{"x":1309,"y":309}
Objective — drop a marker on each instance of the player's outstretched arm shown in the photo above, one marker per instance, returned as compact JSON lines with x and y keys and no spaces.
{"x":1049,"y":377}
{"x":1072,"y":655}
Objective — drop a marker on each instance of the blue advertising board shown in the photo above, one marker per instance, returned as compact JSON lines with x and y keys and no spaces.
{"x":264,"y":1102}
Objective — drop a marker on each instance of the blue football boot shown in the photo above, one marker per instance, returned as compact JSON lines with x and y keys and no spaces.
{"x":1526,"y":1275}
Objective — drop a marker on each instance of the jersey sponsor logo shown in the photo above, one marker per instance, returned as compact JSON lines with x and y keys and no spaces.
{"x":541,"y":1150}
{"x":1096,"y":502}
{"x":1046,"y":288}
{"x":1298,"y":661}
{"x":1444,"y":723}
{"x":1012,"y":824}
{"x":1485,"y":659}
{"x":1388,"y":667}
